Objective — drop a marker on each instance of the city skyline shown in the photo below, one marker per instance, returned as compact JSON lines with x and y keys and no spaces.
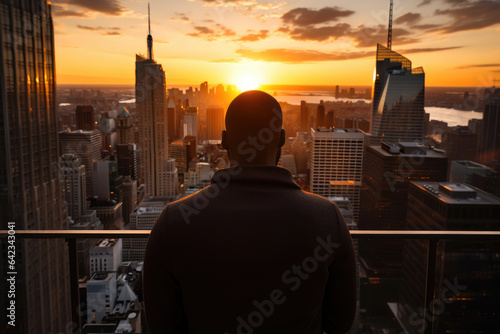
{"x":237,"y":42}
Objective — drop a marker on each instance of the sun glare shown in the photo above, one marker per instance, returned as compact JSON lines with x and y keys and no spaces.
{"x":247,"y":82}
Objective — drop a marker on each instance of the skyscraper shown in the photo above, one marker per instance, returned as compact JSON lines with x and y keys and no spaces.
{"x":398,"y":97}
{"x":73,"y":185}
{"x":215,"y":123}
{"x":30,"y":188}
{"x":128,"y":159}
{"x":151,"y":111}
{"x":387,"y":172}
{"x":335,"y":162}
{"x":125,"y":127}
{"x":471,"y":266}
{"x":85,"y":118}
{"x":320,"y":115}
{"x":172,"y":130}
{"x":190,"y":122}
{"x":490,"y":143}
{"x":304,"y":117}
{"x":86,"y":145}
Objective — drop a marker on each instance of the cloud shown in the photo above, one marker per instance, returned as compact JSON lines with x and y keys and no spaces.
{"x":211,"y":34}
{"x":370,"y":36}
{"x":409,"y":18}
{"x":425,"y":2}
{"x":317,"y":34}
{"x":253,"y":37}
{"x":293,"y":56}
{"x":471,"y":16}
{"x":456,"y":2}
{"x":426,"y":50}
{"x":229,"y":3}
{"x":299,"y":56}
{"x":304,"y":24}
{"x":180,"y":17}
{"x":111,"y":31}
{"x":305,"y":17}
{"x":478,"y":66}
{"x":107,"y":7}
{"x":63,"y":11}
{"x":425,"y":26}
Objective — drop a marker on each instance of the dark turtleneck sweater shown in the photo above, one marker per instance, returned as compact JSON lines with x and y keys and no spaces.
{"x":250,"y":253}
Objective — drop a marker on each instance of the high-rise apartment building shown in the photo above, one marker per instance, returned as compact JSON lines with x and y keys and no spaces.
{"x":128,"y":159}
{"x":86,"y":145}
{"x":398,"y":99}
{"x":215,"y":123}
{"x":190,"y":122}
{"x":178,"y":151}
{"x":151,"y":112}
{"x":463,"y":170}
{"x":142,"y":217}
{"x":467,"y":271}
{"x":30,"y":188}
{"x":101,"y":295}
{"x":387,"y":172}
{"x":204,"y":90}
{"x":172,"y":130}
{"x":129,"y":197}
{"x":73,"y":185}
{"x":105,"y":255}
{"x":320,"y":115}
{"x":459,"y":143}
{"x":490,"y":142}
{"x":336,"y":162}
{"x":304,"y":117}
{"x":85,"y":118}
{"x":125,"y":128}
{"x":108,"y":182}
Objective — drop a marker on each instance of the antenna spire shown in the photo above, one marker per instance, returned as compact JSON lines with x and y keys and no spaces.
{"x":389,"y":32}
{"x":150,"y":38}
{"x":149,"y":21}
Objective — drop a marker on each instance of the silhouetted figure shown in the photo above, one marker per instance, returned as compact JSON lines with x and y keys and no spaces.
{"x":252,"y":252}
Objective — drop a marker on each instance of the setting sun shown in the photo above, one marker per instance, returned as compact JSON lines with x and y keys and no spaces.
{"x":247,"y":82}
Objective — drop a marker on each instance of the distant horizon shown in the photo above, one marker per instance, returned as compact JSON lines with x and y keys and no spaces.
{"x":266,"y":86}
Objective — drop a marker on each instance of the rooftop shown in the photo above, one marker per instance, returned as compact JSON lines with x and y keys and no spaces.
{"x":470,"y":164}
{"x":457,"y":193}
{"x":406,"y":149}
{"x":105,"y":243}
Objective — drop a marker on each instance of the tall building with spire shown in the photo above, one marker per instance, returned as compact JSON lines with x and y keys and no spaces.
{"x":151,"y":113}
{"x":30,"y":188}
{"x":398,"y":96}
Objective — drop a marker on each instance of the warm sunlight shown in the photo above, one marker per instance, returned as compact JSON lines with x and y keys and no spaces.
{"x":247,"y":81}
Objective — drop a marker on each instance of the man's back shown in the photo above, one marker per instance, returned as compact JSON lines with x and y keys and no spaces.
{"x":251,"y":253}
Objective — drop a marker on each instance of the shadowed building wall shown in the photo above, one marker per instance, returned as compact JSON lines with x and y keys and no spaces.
{"x":30,"y":188}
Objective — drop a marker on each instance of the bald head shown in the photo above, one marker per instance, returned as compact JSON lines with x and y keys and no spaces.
{"x":254,"y":133}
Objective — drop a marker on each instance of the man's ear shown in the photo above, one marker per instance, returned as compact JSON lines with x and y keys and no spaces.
{"x":224,"y":140}
{"x":282,"y":138}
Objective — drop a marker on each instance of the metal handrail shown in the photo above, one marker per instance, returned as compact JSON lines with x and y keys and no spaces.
{"x":355,"y":234}
{"x":432,"y":237}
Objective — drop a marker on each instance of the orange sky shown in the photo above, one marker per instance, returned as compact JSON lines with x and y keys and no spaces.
{"x":275,"y":42}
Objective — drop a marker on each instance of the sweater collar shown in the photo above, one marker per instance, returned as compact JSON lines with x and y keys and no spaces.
{"x":272,"y":175}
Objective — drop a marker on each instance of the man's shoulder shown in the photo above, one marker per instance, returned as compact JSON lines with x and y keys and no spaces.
{"x":318,"y":201}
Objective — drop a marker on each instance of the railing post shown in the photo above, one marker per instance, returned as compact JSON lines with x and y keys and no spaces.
{"x":73,"y":276}
{"x":430,"y":286}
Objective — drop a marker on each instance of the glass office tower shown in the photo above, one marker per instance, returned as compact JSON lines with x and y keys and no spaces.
{"x":30,"y":188}
{"x":398,"y":99}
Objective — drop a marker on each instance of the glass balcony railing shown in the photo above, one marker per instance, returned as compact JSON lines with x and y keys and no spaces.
{"x":431,"y":239}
